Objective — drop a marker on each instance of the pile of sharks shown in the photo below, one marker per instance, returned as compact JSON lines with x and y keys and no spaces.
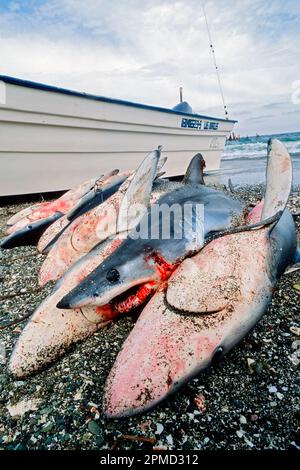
{"x":197,"y":294}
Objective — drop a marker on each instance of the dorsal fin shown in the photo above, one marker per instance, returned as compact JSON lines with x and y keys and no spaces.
{"x":278,"y":179}
{"x":194,"y":172}
{"x":161,"y":163}
{"x":138,"y":193}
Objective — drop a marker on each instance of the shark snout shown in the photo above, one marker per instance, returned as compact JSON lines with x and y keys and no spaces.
{"x":106,"y":283}
{"x":90,"y":293}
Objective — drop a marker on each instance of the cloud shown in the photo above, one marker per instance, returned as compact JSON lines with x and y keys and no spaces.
{"x":143,"y":51}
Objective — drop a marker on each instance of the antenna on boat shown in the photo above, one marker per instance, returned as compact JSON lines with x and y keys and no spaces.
{"x":215,"y":61}
{"x":180,"y":94}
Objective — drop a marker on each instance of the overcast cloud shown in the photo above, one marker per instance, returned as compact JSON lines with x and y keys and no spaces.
{"x":143,"y":51}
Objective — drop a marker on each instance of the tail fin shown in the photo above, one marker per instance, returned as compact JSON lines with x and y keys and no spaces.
{"x":278,"y":179}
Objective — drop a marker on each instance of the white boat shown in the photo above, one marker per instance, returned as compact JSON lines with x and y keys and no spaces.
{"x":53,"y":138}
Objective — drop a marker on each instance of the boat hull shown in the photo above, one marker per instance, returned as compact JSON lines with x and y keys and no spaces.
{"x":51,"y":139}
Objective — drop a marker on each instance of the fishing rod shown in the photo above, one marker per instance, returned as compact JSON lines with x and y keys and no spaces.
{"x":215,"y":61}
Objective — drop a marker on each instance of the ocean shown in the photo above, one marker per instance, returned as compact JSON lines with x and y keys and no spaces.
{"x":244,"y":161}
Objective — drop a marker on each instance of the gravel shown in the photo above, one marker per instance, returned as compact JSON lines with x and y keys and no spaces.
{"x":248,"y":401}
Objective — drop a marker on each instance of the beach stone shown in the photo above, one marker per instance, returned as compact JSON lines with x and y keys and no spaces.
{"x":248,"y":442}
{"x":3,"y":379}
{"x":46,"y":410}
{"x":20,"y":446}
{"x":94,"y":428}
{"x":295,"y":330}
{"x":100,"y":439}
{"x":250,"y":363}
{"x":243,"y":420}
{"x":86,"y":437}
{"x":159,"y":428}
{"x":48,"y":427}
{"x":22,"y":407}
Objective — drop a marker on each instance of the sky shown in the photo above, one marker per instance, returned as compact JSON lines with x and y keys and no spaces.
{"x":143,"y":51}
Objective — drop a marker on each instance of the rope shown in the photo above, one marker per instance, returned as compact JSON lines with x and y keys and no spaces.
{"x":3,"y":326}
{"x":215,"y":62}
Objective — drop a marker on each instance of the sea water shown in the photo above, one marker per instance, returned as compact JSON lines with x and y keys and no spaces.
{"x":244,"y":160}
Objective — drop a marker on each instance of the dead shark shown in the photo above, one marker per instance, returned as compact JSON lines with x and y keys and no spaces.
{"x":50,"y":331}
{"x":29,"y":228}
{"x":209,"y":304}
{"x":136,"y":269}
{"x":95,"y":226}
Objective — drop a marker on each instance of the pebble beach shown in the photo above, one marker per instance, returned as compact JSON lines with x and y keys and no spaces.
{"x":250,"y":400}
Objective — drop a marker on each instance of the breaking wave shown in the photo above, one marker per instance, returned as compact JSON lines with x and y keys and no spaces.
{"x":256,"y":147}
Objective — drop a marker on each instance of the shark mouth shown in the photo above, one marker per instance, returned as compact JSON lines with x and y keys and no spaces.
{"x":134,"y":297}
{"x":127,"y":302}
{"x":137,"y":295}
{"x":123,"y":304}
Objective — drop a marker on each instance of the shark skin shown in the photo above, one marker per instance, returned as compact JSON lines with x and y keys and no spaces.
{"x":51,"y":232}
{"x":28,"y":230}
{"x":224,"y":291}
{"x":24,"y":213}
{"x":151,"y":260}
{"x":100,"y":223}
{"x":108,"y":185}
{"x":46,"y":209}
{"x":30,"y":234}
{"x":51,"y":331}
{"x":63,"y":254}
{"x":146,"y":262}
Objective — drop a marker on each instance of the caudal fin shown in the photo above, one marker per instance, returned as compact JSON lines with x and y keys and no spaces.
{"x":279,"y":177}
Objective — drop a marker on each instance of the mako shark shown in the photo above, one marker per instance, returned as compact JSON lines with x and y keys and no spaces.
{"x":95,"y":226}
{"x":209,"y":304}
{"x":30,"y":234}
{"x":47,"y":208}
{"x":29,"y":228}
{"x":98,"y":195}
{"x":88,"y":202}
{"x":50,"y":331}
{"x":135,"y":270}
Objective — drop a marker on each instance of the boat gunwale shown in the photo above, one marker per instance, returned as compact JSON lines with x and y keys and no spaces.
{"x":65,"y":91}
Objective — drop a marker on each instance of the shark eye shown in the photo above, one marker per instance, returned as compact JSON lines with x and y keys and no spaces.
{"x":113,"y":275}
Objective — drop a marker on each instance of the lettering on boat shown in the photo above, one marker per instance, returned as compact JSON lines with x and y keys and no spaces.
{"x":199,"y":124}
